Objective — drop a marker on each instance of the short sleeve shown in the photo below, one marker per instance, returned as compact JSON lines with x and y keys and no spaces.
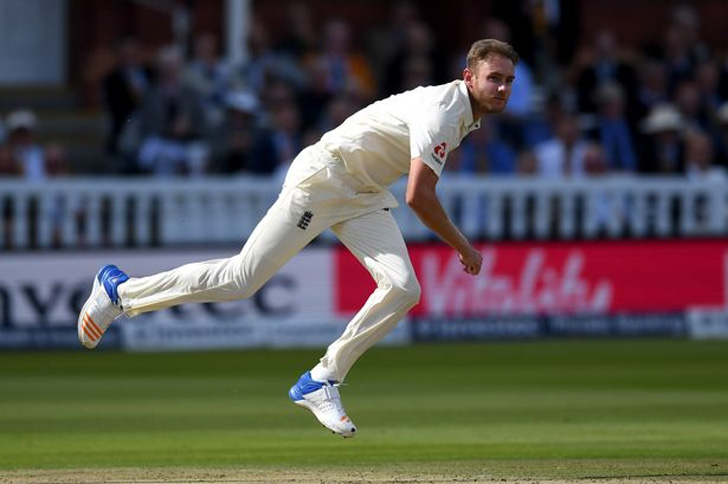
{"x":432,"y":136}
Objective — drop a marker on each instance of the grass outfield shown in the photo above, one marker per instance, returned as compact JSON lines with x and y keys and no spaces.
{"x":565,"y":409}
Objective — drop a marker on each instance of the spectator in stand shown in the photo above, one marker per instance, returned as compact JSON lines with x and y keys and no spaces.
{"x":314,"y":98}
{"x":562,"y":157}
{"x":56,"y":161}
{"x":544,"y":30}
{"x":687,"y":101}
{"x":607,"y":68}
{"x":386,"y":40}
{"x":23,"y":156}
{"x":346,"y":69}
{"x":612,"y":130}
{"x":604,"y":206}
{"x":540,"y":126}
{"x":517,"y":115}
{"x":171,"y":122}
{"x":483,"y":152}
{"x":417,"y":71}
{"x":232,"y":143}
{"x":419,"y":45}
{"x":265,"y":64}
{"x":275,"y":94}
{"x":8,"y":166}
{"x":707,"y":80}
{"x":686,"y":22}
{"x":700,"y":161}
{"x":209,"y":75}
{"x":276,"y":146}
{"x":28,"y":155}
{"x":336,"y":112}
{"x":7,"y":163}
{"x":678,"y":58}
{"x":723,"y":75}
{"x":526,"y":168}
{"x":526,"y":163}
{"x":701,"y":166}
{"x":301,"y":39}
{"x":652,"y":89}
{"x":596,"y":162}
{"x":721,"y":118}
{"x":663,"y":151}
{"x":123,"y":89}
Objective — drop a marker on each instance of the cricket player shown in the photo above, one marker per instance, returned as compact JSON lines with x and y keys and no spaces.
{"x":340,"y":183}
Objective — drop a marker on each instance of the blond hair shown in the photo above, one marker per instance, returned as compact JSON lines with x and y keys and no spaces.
{"x":484,"y":48}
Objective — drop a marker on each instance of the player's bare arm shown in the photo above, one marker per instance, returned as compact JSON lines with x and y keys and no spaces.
{"x":421,"y":197}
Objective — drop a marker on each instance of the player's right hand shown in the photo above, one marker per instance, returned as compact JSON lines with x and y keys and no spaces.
{"x":472,"y":260}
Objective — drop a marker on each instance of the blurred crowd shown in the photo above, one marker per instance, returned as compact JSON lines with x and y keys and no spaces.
{"x":21,"y":154}
{"x":602,"y":107}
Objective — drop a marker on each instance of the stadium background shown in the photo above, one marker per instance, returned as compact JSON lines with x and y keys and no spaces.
{"x":613,"y":150}
{"x":593,"y":344}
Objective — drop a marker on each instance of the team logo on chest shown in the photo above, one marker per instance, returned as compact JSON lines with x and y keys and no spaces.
{"x":439,"y":153}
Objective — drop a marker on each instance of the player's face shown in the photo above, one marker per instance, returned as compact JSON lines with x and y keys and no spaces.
{"x":490,"y":84}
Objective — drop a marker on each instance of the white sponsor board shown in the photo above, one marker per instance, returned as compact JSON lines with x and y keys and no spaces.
{"x":295,"y":308}
{"x":300,"y":292}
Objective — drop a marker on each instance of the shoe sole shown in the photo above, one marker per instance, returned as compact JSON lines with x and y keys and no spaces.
{"x":304,"y":404}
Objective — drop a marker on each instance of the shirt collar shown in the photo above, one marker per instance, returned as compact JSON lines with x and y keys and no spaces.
{"x":468,"y":122}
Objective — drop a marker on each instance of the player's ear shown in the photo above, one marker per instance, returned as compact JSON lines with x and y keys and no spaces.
{"x":468,"y":77}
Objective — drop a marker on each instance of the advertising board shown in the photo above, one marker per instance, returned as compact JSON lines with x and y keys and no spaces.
{"x":525,"y":290}
{"x":42,"y":293}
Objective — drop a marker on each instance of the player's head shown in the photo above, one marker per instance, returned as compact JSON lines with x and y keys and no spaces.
{"x":484,"y":48}
{"x":489,"y":75}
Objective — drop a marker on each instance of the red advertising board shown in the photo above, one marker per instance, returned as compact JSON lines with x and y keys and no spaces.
{"x":557,"y":278}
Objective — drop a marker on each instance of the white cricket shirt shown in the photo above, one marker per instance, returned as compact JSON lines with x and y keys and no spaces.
{"x":377,"y":143}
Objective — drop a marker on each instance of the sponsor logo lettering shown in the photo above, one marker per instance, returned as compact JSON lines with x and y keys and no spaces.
{"x":537,"y":287}
{"x":57,"y":304}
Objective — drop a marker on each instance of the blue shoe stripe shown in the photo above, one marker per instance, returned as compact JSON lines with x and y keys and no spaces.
{"x":304,"y":386}
{"x":110,"y":277}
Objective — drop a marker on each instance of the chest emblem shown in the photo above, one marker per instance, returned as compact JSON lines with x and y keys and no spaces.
{"x":440,"y":150}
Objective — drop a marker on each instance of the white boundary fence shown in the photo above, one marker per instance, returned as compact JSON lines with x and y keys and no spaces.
{"x":119,"y":212}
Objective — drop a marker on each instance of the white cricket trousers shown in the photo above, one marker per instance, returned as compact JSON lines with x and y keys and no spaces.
{"x":318,"y":194}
